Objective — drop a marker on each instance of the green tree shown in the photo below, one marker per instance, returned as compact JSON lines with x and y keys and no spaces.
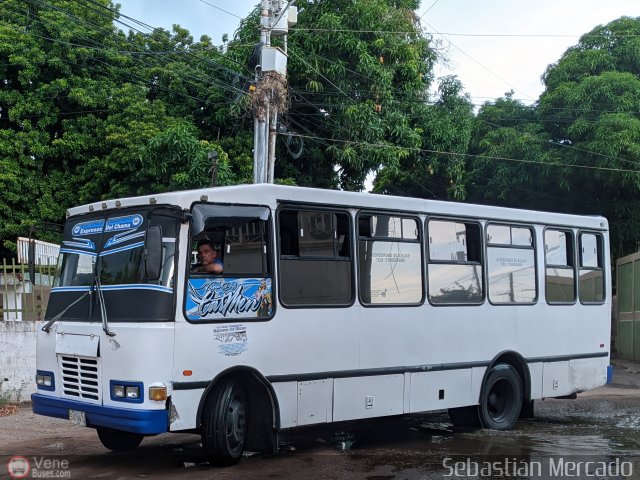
{"x":358,"y":76}
{"x":512,"y":157}
{"x":591,"y":110}
{"x":84,"y":108}
{"x":438,"y":168}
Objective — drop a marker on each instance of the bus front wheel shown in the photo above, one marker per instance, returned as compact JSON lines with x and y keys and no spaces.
{"x":224,"y":424}
{"x":501,"y":398}
{"x":118,"y":441}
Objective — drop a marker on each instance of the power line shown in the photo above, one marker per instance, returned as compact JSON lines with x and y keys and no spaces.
{"x":428,"y":9}
{"x":103,"y":47}
{"x":456,"y":154}
{"x":152,"y":29}
{"x":457,"y":34}
{"x":291,"y":52}
{"x":222,"y":10}
{"x":480,"y":64}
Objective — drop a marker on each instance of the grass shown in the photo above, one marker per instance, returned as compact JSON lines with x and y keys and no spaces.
{"x":9,"y":398}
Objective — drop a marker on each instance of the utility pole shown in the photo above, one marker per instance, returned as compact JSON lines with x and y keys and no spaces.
{"x":269,"y":96}
{"x":213,"y":158}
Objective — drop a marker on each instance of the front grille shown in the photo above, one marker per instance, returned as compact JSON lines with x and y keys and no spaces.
{"x":80,"y":377}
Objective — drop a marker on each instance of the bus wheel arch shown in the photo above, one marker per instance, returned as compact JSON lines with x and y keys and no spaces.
{"x":506,"y":391}
{"x":261,"y":411}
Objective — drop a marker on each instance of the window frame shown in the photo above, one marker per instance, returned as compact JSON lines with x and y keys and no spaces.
{"x":600,"y":243}
{"x":419,"y":240}
{"x":533,"y":247}
{"x":482,"y":263}
{"x":268,"y":233}
{"x":278,"y":257}
{"x":574,"y":260}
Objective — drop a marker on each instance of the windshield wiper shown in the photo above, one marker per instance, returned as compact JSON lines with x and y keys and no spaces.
{"x":101,"y":302}
{"x":47,"y":326}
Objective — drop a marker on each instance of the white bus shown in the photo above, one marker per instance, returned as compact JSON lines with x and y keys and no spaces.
{"x":331,"y":306}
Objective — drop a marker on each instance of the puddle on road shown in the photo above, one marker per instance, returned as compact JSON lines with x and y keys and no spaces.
{"x":416,"y":446}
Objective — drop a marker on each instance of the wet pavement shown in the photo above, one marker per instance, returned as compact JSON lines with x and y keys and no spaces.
{"x":594,"y":436}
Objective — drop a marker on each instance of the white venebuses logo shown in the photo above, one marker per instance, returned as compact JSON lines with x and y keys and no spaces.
{"x":92,"y":227}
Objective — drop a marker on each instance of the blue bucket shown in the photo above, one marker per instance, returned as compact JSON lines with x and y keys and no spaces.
{"x":609,"y":374}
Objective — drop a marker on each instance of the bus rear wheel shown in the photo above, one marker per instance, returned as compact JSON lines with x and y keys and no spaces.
{"x":224,"y":424}
{"x":501,"y":398}
{"x":119,"y":441}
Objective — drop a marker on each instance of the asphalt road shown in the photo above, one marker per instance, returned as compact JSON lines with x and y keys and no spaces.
{"x":594,"y":436}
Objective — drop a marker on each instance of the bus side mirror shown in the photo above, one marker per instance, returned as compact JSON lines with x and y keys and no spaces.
{"x":153,"y":253}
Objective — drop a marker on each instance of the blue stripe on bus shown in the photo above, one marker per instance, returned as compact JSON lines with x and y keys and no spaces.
{"x":138,"y":286}
{"x":134,"y":286}
{"x":70,"y":289}
{"x":79,"y":252}
{"x":146,"y":422}
{"x":122,"y":249}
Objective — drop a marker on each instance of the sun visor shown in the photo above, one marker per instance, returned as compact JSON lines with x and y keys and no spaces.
{"x":207,"y":217}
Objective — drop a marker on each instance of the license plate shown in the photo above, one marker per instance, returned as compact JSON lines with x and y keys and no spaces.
{"x":77,"y":417}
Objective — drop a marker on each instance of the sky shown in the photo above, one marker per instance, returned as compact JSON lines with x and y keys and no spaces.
{"x":493,"y":46}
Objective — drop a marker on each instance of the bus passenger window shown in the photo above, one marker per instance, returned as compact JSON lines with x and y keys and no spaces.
{"x":316,"y":267}
{"x":455,"y":263}
{"x":591,"y":283}
{"x":560,"y":277}
{"x":389,"y":260}
{"x":511,"y":264}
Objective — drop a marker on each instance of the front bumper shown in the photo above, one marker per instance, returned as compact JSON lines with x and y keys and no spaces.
{"x":147,"y":422}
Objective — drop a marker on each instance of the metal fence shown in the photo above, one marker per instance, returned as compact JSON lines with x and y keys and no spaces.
{"x":628,"y":308}
{"x":44,"y":253}
{"x":22,"y":298}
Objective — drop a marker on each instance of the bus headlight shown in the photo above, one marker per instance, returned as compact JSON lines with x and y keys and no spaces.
{"x":118,"y":391}
{"x":126,"y":391}
{"x":44,"y":380}
{"x":132,"y":392}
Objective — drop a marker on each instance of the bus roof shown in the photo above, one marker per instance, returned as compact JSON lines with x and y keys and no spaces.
{"x":271,"y":195}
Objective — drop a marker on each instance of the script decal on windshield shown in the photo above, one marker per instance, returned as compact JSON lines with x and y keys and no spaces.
{"x":223,"y":298}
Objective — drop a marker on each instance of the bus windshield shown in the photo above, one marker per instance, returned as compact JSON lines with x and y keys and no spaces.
{"x":109,"y":251}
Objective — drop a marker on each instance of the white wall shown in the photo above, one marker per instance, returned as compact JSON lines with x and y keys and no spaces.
{"x":18,"y":358}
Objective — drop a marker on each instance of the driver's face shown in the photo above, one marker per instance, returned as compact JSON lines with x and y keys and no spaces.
{"x":206,"y":254}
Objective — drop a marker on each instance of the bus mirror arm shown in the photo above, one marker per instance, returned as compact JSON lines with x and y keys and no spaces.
{"x":153,"y":253}
{"x":31,"y":255}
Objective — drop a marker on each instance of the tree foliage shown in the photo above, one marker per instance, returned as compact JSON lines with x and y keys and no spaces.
{"x":93,"y":107}
{"x":578,"y":149}
{"x":437,"y":167}
{"x":89,"y":112}
{"x":359,"y":74}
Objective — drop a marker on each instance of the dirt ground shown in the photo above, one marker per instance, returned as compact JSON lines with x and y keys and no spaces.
{"x":603,"y":422}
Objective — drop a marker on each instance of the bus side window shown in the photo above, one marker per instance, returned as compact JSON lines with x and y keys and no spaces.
{"x":455,"y":262}
{"x":288,"y":233}
{"x":389,"y":260}
{"x":560,"y":276}
{"x":511,"y":264}
{"x":316,"y":267}
{"x":591,"y":283}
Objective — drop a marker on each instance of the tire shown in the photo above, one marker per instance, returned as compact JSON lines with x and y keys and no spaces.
{"x":119,"y":441}
{"x":501,"y":398}
{"x":224,"y":424}
{"x":465,"y":417}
